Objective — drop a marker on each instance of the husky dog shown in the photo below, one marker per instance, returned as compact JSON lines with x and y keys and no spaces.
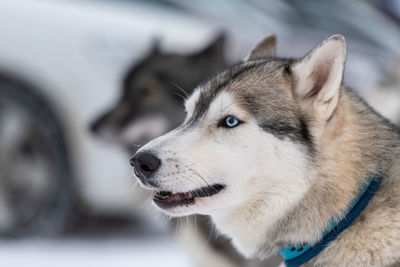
{"x":150,"y":106}
{"x":151,"y":102}
{"x":284,"y":158}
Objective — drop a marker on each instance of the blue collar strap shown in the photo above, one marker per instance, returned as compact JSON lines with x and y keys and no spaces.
{"x":297,"y":255}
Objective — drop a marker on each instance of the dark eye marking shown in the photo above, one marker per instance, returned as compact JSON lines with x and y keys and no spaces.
{"x":229,"y":121}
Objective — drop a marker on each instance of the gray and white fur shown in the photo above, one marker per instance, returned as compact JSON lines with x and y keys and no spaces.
{"x":297,"y":151}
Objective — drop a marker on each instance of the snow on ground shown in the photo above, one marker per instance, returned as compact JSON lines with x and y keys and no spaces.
{"x":92,"y":253}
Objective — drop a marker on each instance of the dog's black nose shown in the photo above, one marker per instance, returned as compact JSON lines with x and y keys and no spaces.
{"x":145,"y":164}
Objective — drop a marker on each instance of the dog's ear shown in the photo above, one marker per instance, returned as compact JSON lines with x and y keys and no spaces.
{"x":265,"y":48}
{"x":155,"y":46}
{"x":215,"y":48}
{"x":318,"y":76}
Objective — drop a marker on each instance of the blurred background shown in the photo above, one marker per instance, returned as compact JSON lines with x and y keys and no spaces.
{"x":84,"y":83}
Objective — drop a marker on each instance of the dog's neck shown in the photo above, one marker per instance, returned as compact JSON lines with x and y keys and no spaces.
{"x":343,"y":162}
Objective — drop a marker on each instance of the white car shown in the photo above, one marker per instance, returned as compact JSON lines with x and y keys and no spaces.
{"x":61,"y":63}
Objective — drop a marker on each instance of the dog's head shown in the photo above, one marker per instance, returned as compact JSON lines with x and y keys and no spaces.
{"x":151,"y":102}
{"x":249,"y":134}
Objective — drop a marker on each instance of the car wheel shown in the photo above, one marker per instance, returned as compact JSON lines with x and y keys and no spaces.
{"x":35,"y":173}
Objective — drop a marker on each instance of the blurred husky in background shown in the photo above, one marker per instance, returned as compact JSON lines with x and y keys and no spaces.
{"x":153,"y":92}
{"x":151,"y":104}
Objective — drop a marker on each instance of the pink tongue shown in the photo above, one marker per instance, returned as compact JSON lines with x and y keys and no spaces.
{"x":180,"y":196}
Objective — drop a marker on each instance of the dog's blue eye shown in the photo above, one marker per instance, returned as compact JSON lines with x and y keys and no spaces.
{"x":230,"y":122}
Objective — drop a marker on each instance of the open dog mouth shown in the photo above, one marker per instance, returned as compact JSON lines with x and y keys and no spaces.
{"x":167,"y":200}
